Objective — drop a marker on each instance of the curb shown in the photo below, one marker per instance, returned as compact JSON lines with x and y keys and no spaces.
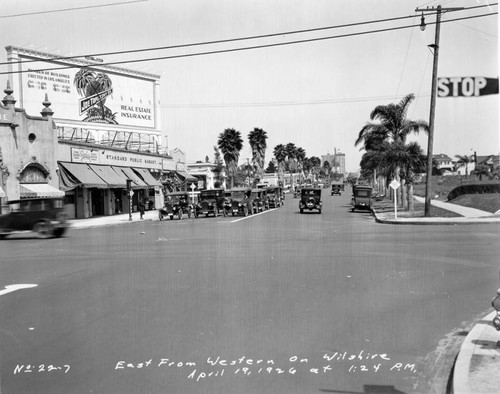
{"x":109,"y":224}
{"x":436,"y":221}
{"x":461,"y":383}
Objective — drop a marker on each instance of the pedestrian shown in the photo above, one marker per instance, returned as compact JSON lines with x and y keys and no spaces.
{"x":141,"y":208}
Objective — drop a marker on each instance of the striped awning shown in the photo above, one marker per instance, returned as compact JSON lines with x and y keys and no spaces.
{"x":39,"y":190}
{"x":147,"y":177}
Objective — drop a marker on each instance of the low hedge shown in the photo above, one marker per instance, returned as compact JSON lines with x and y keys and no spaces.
{"x":474,"y":189}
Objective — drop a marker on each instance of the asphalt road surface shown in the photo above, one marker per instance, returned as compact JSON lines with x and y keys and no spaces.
{"x":278,"y":302}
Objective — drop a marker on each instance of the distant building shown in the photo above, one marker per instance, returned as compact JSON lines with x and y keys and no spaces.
{"x":444,"y":163}
{"x":336,"y":160}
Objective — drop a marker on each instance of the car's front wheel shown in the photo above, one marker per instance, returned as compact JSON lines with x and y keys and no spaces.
{"x":42,"y":230}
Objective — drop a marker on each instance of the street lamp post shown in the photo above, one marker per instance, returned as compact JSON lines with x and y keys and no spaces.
{"x":439,"y":10}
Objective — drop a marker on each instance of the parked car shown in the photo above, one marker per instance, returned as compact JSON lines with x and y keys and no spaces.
{"x":275,"y":196}
{"x":361,"y":197}
{"x":310,"y":198}
{"x":241,"y":201}
{"x":259,"y":200}
{"x":176,"y":204}
{"x":44,"y":216}
{"x":210,"y":202}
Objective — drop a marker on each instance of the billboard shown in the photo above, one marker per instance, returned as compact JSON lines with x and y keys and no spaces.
{"x":87,"y":94}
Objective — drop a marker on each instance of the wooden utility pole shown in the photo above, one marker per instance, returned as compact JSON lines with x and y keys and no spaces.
{"x":438,"y":10}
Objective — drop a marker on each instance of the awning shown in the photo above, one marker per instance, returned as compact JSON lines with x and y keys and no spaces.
{"x":111,"y":177}
{"x":147,"y":177}
{"x":34,"y":190}
{"x":137,"y":182}
{"x":186,"y":176}
{"x":82,"y":173}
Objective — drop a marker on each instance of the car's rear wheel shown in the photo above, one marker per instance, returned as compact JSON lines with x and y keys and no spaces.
{"x":59,"y":232}
{"x":301,"y":210}
{"x":160,"y":216}
{"x":42,"y":230}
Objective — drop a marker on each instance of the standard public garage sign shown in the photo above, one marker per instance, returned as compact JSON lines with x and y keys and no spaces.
{"x":467,"y":86}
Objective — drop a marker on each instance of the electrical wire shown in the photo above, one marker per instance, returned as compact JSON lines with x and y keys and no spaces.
{"x":225,"y":41}
{"x":71,"y":9}
{"x":240,"y":48}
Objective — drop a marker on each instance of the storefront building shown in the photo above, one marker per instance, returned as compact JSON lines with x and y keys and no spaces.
{"x":28,"y":166}
{"x":104,"y":130}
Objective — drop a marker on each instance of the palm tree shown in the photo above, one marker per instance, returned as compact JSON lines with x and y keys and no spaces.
{"x":230,"y":144}
{"x":291,"y":159}
{"x":280,"y":156}
{"x":410,"y":160}
{"x":481,"y":170}
{"x":464,"y":160}
{"x":89,"y":83}
{"x":392,"y":126}
{"x":300,"y":156}
{"x":257,"y":139}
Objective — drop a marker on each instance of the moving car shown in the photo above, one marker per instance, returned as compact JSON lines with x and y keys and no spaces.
{"x":337,"y":188}
{"x":44,"y":216}
{"x":210,"y":202}
{"x":361,"y":197}
{"x":176,"y":204}
{"x":310,"y":198}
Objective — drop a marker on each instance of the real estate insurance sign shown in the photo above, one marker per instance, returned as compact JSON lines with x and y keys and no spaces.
{"x":87,"y":94}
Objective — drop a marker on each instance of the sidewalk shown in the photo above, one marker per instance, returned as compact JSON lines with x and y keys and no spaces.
{"x":469,"y":216}
{"x":478,"y":363}
{"x":119,"y":219}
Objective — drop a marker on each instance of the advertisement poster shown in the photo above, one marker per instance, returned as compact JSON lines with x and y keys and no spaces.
{"x":88,"y":95}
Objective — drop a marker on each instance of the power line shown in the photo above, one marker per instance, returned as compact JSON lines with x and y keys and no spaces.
{"x":225,"y":41}
{"x":71,"y":9}
{"x":242,"y":48}
{"x":288,"y":103}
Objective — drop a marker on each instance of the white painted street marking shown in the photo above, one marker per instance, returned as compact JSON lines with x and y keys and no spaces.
{"x":251,"y":216}
{"x":11,"y":288}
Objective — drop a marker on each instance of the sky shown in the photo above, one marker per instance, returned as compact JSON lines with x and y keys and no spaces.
{"x":316,"y":94}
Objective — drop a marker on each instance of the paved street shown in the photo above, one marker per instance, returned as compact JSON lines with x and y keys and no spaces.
{"x":274,"y":303}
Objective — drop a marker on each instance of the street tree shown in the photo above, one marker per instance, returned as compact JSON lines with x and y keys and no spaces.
{"x":257,"y":140}
{"x":280,"y":155}
{"x":219,"y":167}
{"x":481,"y":170}
{"x":464,"y":160}
{"x":230,"y":144}
{"x":389,"y":123}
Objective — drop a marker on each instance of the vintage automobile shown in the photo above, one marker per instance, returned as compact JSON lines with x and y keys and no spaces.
{"x":210,"y":202}
{"x":241,"y":201}
{"x":44,"y":216}
{"x":176,"y":204}
{"x":337,"y":188}
{"x":310,"y":198}
{"x":274,"y":196}
{"x":361,"y":197}
{"x":259,"y":200}
{"x":227,"y":206}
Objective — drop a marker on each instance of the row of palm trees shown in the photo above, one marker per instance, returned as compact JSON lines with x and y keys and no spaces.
{"x":388,"y":155}
{"x":288,"y":157}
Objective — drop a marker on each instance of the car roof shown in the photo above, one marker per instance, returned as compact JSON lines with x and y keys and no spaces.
{"x":239,"y":189}
{"x":177,"y":193}
{"x":311,"y":188}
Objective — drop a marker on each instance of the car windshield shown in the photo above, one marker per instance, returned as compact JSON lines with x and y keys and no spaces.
{"x":209,"y":195}
{"x":238,"y":195}
{"x":311,"y":192}
{"x":362,"y":193}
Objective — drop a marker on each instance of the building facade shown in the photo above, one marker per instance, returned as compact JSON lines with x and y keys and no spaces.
{"x":106,"y":146}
